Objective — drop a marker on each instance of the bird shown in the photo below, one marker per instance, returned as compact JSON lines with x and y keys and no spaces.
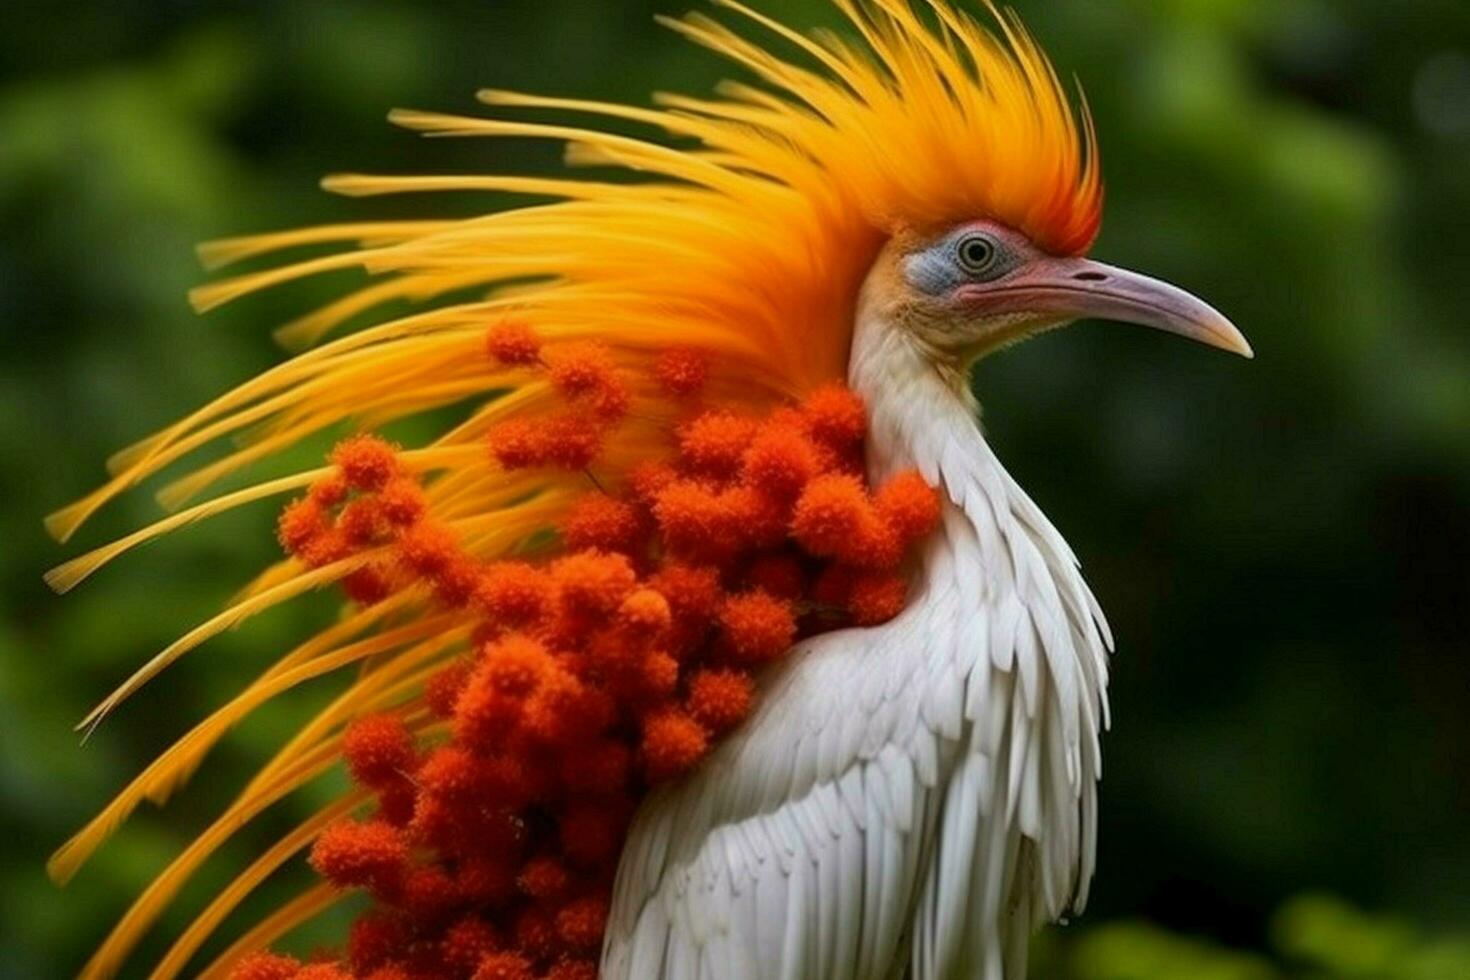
{"x":710,"y":638}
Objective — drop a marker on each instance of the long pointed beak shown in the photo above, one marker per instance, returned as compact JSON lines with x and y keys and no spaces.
{"x":1075,"y":289}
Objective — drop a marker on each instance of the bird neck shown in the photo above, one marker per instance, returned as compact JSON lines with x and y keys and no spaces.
{"x":921,"y":414}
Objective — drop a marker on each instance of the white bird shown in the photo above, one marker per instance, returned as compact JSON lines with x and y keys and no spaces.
{"x":919,"y":795}
{"x":908,"y":798}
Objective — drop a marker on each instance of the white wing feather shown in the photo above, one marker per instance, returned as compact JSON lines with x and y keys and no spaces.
{"x":871,"y":812}
{"x":908,"y":800}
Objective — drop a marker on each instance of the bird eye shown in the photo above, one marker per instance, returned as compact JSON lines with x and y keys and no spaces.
{"x":977,"y":254}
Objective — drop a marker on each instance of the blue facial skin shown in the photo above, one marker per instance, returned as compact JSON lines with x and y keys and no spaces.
{"x":938,"y":269}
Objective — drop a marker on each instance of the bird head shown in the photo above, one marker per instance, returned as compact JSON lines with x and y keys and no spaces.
{"x":971,"y":289}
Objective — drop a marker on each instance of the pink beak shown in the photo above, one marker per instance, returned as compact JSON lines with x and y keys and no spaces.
{"x":1076,"y":288}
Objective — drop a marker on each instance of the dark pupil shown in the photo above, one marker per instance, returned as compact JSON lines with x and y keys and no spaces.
{"x":977,"y":253}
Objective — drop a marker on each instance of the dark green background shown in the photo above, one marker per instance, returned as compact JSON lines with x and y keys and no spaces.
{"x":1283,"y":545}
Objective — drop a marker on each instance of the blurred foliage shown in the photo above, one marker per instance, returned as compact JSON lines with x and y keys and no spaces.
{"x":1313,"y":937}
{"x":1282,"y":545}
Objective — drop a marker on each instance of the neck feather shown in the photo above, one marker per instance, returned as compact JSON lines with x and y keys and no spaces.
{"x":920,"y":409}
{"x":922,"y":416}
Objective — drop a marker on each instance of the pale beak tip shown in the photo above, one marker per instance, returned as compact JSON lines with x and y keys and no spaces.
{"x":1229,"y":338}
{"x":1209,"y":326}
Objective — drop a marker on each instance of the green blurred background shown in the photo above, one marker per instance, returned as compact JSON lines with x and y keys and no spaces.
{"x":1283,"y":546}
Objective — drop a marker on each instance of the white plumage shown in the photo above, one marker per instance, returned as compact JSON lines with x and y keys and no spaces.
{"x":910,"y":800}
